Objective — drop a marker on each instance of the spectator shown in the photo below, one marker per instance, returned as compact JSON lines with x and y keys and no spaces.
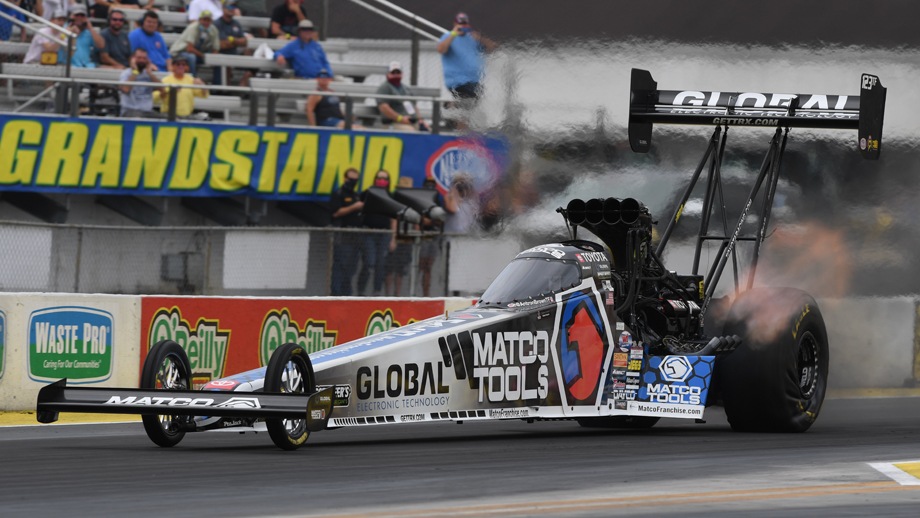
{"x":305,"y":55}
{"x":197,"y":7}
{"x":376,"y":246}
{"x":233,"y":40}
{"x":103,"y":8}
{"x":136,"y":100}
{"x":117,"y":50}
{"x":6,"y":26}
{"x":461,"y":204}
{"x":148,"y":37}
{"x":198,"y":39}
{"x":324,"y":110}
{"x":49,"y":46}
{"x":461,"y":52}
{"x":346,"y":213}
{"x":185,"y":97}
{"x":430,"y":246}
{"x":286,"y":19}
{"x":402,"y":113}
{"x":33,"y":6}
{"x":88,"y":39}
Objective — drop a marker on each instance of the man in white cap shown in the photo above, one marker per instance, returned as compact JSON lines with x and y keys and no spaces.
{"x":305,"y":55}
{"x":198,"y":39}
{"x":401,"y":114}
{"x":88,"y":38}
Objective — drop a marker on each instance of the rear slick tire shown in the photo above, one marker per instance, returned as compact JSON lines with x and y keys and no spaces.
{"x":166,"y":368}
{"x":776,"y":380}
{"x":289,"y":371}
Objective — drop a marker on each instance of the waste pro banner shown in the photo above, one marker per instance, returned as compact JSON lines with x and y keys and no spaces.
{"x":225,"y":336}
{"x":155,"y":158}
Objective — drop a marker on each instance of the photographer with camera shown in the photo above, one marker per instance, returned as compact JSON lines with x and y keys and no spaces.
{"x":462,"y":52}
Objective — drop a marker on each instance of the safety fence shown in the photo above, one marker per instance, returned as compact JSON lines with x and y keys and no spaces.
{"x":276,"y":261}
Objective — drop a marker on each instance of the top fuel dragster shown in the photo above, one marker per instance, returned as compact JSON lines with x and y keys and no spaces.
{"x":601,"y":333}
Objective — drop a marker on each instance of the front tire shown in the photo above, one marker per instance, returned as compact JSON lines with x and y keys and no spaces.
{"x":166,"y":368}
{"x":289,"y":371}
{"x":776,"y":380}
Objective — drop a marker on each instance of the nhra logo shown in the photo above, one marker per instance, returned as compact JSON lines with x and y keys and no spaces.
{"x":279,"y":328}
{"x":583,"y":348}
{"x":466,"y":158}
{"x":675,"y":368}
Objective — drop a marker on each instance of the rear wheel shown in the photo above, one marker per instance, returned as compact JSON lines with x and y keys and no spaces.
{"x":289,"y":371}
{"x":776,"y":380}
{"x":166,"y":368}
{"x":632,"y":422}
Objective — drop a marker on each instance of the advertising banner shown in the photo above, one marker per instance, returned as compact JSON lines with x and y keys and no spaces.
{"x":155,"y":158}
{"x":2,"y":342}
{"x":225,"y":336}
{"x":72,"y":342}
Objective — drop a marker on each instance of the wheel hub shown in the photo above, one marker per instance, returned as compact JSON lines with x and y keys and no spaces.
{"x":807,"y":365}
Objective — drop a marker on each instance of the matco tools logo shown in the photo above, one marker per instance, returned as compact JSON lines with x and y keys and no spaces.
{"x":675,"y":368}
{"x":70,"y":342}
{"x":206,"y":344}
{"x":279,"y":328}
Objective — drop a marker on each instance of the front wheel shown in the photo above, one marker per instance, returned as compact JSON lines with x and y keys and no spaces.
{"x":289,"y":371}
{"x":776,"y":380}
{"x":166,"y":368}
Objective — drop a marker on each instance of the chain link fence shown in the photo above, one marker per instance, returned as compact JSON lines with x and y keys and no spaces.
{"x":244,"y":261}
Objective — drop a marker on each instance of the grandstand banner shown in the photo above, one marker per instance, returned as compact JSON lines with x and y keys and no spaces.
{"x":155,"y":158}
{"x":227,"y":335}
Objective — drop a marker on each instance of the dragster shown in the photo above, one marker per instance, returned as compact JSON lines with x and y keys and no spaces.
{"x":601,"y":333}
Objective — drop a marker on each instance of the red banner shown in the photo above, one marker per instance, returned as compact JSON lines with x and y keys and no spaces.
{"x":224,"y":336}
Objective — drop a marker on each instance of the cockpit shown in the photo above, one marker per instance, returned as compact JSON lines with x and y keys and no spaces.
{"x":531,"y":278}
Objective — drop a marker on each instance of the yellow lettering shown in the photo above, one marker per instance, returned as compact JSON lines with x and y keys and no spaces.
{"x":300,"y":168}
{"x":192,"y":158}
{"x":62,"y":156}
{"x":150,"y":157}
{"x":383,"y":153}
{"x":17,"y":165}
{"x":273,"y":141}
{"x":340,"y":156}
{"x":104,"y":160}
{"x":234,"y":171}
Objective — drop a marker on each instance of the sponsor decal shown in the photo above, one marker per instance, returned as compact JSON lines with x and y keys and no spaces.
{"x":233,"y":402}
{"x":665,"y":410}
{"x":620,"y":359}
{"x":279,"y":328}
{"x":620,"y":404}
{"x":342,"y":395}
{"x":220,"y":385}
{"x":545,"y":249}
{"x":318,"y":414}
{"x":2,"y":342}
{"x":583,"y":347}
{"x":625,"y":342}
{"x":206,"y":344}
{"x":510,"y":365}
{"x":526,"y":303}
{"x":798,"y":322}
{"x":409,"y":379}
{"x":591,"y":257}
{"x":624,"y":395}
{"x":411,"y":418}
{"x":676,"y":380}
{"x":634,"y":365}
{"x":617,"y":373}
{"x":70,"y":342}
{"x":240,"y":402}
{"x":509,"y":413}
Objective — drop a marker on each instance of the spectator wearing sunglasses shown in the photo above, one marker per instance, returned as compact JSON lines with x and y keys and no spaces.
{"x":117,"y":50}
{"x":462,"y":59}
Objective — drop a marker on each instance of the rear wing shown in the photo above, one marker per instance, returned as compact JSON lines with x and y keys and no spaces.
{"x":864,"y":112}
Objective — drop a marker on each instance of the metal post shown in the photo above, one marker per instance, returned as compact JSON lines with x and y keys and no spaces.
{"x":349,"y":112}
{"x":324,"y":15}
{"x":171,"y":104}
{"x":272,"y":101}
{"x":74,"y":99}
{"x":413,"y":266}
{"x":253,"y":108}
{"x":436,"y":116}
{"x":415,"y":50}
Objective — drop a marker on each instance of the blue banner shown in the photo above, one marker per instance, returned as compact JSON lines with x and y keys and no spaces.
{"x":155,"y":158}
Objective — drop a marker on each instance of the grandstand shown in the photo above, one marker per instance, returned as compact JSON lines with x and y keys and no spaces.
{"x":184,"y":231}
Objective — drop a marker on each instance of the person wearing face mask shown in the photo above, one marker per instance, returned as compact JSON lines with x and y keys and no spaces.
{"x":376,"y":246}
{"x":462,"y":60}
{"x":402,"y":115}
{"x":137,"y":100}
{"x":346,"y":213}
{"x":148,"y":37}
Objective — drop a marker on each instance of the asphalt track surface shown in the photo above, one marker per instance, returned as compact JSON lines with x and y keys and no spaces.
{"x":479,"y":469}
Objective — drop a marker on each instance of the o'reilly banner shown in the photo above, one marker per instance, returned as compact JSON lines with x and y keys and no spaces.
{"x":2,"y":341}
{"x":70,"y":342}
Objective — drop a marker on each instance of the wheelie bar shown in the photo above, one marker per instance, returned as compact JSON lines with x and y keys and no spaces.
{"x":58,"y":397}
